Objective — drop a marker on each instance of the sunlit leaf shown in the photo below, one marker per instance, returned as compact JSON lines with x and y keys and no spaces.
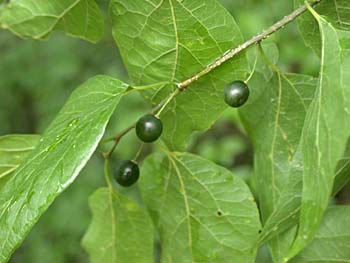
{"x":60,"y":155}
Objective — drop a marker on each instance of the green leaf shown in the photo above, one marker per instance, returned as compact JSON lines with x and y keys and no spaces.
{"x":263,"y":255}
{"x":274,"y":119}
{"x":279,"y":228}
{"x":285,"y":214}
{"x":13,"y":150}
{"x":121,"y":231}
{"x":331,"y":243}
{"x":38,"y":18}
{"x":171,"y":41}
{"x":336,"y":11}
{"x":325,"y":134}
{"x":60,"y":155}
{"x":203,"y":212}
{"x":343,"y":171}
{"x":280,"y":205}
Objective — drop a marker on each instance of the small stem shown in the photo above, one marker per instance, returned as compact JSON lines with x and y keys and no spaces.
{"x":156,"y":85}
{"x":312,"y":11}
{"x":107,"y":176}
{"x":267,"y":61}
{"x":253,"y":69}
{"x":116,"y":140}
{"x":167,"y":101}
{"x":254,"y":40}
{"x":139,"y":152}
{"x":271,"y":65}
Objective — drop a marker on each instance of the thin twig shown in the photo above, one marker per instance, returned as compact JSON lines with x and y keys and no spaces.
{"x":167,"y":101}
{"x":116,"y":140}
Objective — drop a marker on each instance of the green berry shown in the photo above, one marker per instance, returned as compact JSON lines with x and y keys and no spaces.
{"x":236,"y":94}
{"x":126,"y":173}
{"x":149,"y":128}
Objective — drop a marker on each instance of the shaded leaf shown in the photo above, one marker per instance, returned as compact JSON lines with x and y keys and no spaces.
{"x":336,"y":11}
{"x":287,"y":210}
{"x":280,"y":227}
{"x":60,"y":155}
{"x":13,"y":149}
{"x":121,"y":231}
{"x":285,"y":214}
{"x":260,"y":116}
{"x":274,"y":118}
{"x":271,"y":51}
{"x":332,"y":241}
{"x":197,"y":205}
{"x":38,"y":18}
{"x":171,"y":41}
{"x":325,"y":134}
{"x":263,"y":255}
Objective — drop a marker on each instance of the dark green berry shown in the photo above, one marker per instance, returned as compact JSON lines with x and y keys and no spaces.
{"x":236,"y":94}
{"x":149,"y":128}
{"x":126,"y":173}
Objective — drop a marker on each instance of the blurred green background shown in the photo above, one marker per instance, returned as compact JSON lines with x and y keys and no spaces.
{"x":36,"y":77}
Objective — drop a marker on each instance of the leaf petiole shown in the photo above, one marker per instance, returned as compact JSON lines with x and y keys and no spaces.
{"x":254,"y":67}
{"x":155,"y":85}
{"x":107,"y":175}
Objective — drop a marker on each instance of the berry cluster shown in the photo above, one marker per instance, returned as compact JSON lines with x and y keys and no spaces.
{"x":149,"y":128}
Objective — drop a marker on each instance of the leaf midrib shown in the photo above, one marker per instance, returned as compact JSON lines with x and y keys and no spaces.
{"x":187,"y":207}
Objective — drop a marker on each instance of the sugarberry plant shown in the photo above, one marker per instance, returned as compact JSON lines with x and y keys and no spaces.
{"x":188,"y":59}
